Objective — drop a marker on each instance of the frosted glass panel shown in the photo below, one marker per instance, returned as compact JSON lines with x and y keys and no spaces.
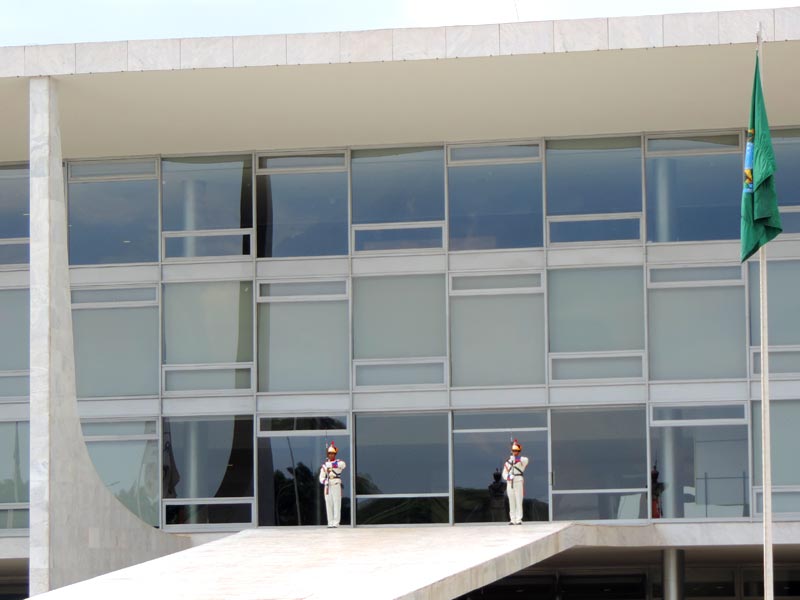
{"x":784,"y":421}
{"x":208,"y":322}
{"x":597,"y":506}
{"x":303,"y":346}
{"x":14,"y":324}
{"x":14,"y":461}
{"x":596,"y":309}
{"x":696,"y":274}
{"x":207,"y":379}
{"x":783,"y":288}
{"x":103,"y":428}
{"x":14,"y":386}
{"x":14,"y":205}
{"x":782,"y":502}
{"x":112,"y":168}
{"x":116,"y":351}
{"x":597,"y":368}
{"x":412,"y":374}
{"x":490,"y":282}
{"x":497,"y":340}
{"x":697,"y":333}
{"x":114,"y":295}
{"x":495,"y":152}
{"x":779,"y":362}
{"x":305,"y":288}
{"x":399,"y":317}
{"x":17,"y":518}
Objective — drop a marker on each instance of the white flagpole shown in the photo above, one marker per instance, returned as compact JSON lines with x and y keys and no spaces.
{"x":766,"y":441}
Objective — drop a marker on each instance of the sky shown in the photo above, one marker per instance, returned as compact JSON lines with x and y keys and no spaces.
{"x":24,"y":22}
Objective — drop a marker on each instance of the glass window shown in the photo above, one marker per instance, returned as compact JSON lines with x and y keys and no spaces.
{"x":207,"y":192}
{"x":303,"y":288}
{"x":397,"y":185}
{"x":783,"y":289}
{"x":786,"y":582}
{"x":113,"y":222}
{"x":703,"y":471}
{"x":116,"y":351}
{"x":15,"y":386}
{"x":706,"y":342}
{"x":696,"y":142}
{"x":495,"y":206}
{"x":402,"y":238}
{"x":601,"y":230}
{"x":302,"y":214}
{"x":597,"y":367}
{"x":208,"y":322}
{"x":289,"y":492}
{"x":495,"y":282}
{"x":15,"y":518}
{"x":673,"y":275}
{"x":14,"y":325}
{"x":594,"y":176}
{"x":333,"y":424}
{"x":14,"y":202}
{"x":15,"y":254}
{"x":405,"y":442}
{"x":94,"y":169}
{"x":187,"y":380}
{"x":499,"y":152}
{"x":689,"y":197}
{"x":402,"y":374}
{"x":296,"y":161}
{"x":786,"y":145}
{"x":518,"y":419}
{"x":143,"y":294}
{"x":209,"y":514}
{"x":118,"y":428}
{"x":599,"y":505}
{"x":599,"y":448}
{"x":613,"y":320}
{"x":784,"y":421}
{"x":303,"y":346}
{"x":694,"y":413}
{"x":129,"y":469}
{"x":405,"y":511}
{"x":399,"y":317}
{"x":207,"y":457}
{"x":14,"y":462}
{"x":206,"y":245}
{"x":497,"y":340}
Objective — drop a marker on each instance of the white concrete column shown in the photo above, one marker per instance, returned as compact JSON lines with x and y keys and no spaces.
{"x":78,"y":529}
{"x":672,"y":573}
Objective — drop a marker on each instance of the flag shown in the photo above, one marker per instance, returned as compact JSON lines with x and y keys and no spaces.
{"x":761,"y":220}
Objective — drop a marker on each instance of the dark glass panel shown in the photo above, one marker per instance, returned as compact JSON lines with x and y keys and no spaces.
{"x":594,"y":231}
{"x":499,"y":420}
{"x":203,"y":514}
{"x":599,"y":506}
{"x":15,"y":254}
{"x":598,"y":587}
{"x":398,"y":239}
{"x":684,"y":413}
{"x":14,"y":329}
{"x":303,"y":423}
{"x":301,"y":162}
{"x":407,"y":511}
{"x":14,"y":203}
{"x":523,"y":587}
{"x":495,"y":152}
{"x":213,"y":245}
{"x":786,"y":145}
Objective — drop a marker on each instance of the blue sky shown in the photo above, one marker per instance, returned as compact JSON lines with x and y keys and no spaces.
{"x":61,"y":21}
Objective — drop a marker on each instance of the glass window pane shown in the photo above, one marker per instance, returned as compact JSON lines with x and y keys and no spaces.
{"x":480,"y":492}
{"x":17,"y":518}
{"x":14,"y":461}
{"x":594,"y":176}
{"x":409,"y":374}
{"x":495,"y":206}
{"x":613,"y":320}
{"x":303,"y":424}
{"x":786,"y":145}
{"x":596,"y":506}
{"x":689,"y":197}
{"x":113,"y":222}
{"x":790,"y":221}
{"x":302,"y":214}
{"x":208,"y":457}
{"x":706,"y":342}
{"x":208,"y":514}
{"x":294,"y":161}
{"x":497,"y":340}
{"x":784,"y":420}
{"x":289,"y":492}
{"x":695,"y":142}
{"x":14,"y":325}
{"x":303,"y":346}
{"x":15,"y":254}
{"x":562,"y":232}
{"x":779,"y":362}
{"x":116,"y":351}
{"x":703,"y":471}
{"x":399,"y":317}
{"x":493,"y":282}
{"x":398,"y":239}
{"x":402,"y":511}
{"x":305,"y":288}
{"x":690,"y":413}
{"x":495,"y":152}
{"x":696,"y":274}
{"x":14,"y":203}
{"x":597,"y":367}
{"x":129,"y":469}
{"x":398,"y":185}
{"x":114,"y":295}
{"x":783,"y":289}
{"x":786,"y":581}
{"x":406,"y":442}
{"x":212,"y":245}
{"x":104,"y":428}
{"x":112,"y":168}
{"x":499,"y":420}
{"x":208,"y":322}
{"x":15,"y":386}
{"x":207,"y":192}
{"x":782,"y":502}
{"x":599,"y":448}
{"x":207,"y":379}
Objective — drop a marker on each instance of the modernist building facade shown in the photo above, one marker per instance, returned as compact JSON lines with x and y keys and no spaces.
{"x":444,"y":240}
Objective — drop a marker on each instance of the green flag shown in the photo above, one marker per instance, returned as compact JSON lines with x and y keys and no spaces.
{"x":761,"y":220}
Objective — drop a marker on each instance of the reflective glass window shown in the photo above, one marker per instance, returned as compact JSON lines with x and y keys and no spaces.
{"x":15,"y":518}
{"x":784,"y":421}
{"x":207,"y":457}
{"x":613,"y":320}
{"x":508,"y":421}
{"x":206,"y":245}
{"x":599,"y":505}
{"x":303,"y":346}
{"x":786,"y":582}
{"x":302,"y":214}
{"x":405,"y":238}
{"x":703,"y":471}
{"x":403,"y":374}
{"x":113,"y":222}
{"x":399,"y":317}
{"x":689,"y":197}
{"x":289,"y":492}
{"x":495,"y":206}
{"x":696,"y":142}
{"x":209,"y":514}
{"x":786,"y":145}
{"x":14,"y":202}
{"x":594,"y":176}
{"x":394,"y":185}
{"x":783,"y":289}
{"x":402,"y":511}
{"x":697,"y":333}
{"x":14,"y":462}
{"x":332,"y":424}
{"x":601,"y":230}
{"x":497,"y":340}
{"x":116,"y":351}
{"x":14,"y":325}
{"x":207,"y":192}
{"x":15,"y":254}
{"x":208,"y":322}
{"x":494,"y":152}
{"x":414,"y":444}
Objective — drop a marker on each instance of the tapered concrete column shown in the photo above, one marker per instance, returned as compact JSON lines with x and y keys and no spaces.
{"x":78,"y":529}
{"x":672,"y":573}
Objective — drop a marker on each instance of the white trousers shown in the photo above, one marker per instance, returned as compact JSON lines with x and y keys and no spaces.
{"x":333,"y":502}
{"x":515,"y":491}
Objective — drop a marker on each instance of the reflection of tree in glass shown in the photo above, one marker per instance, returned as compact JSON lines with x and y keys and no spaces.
{"x":299,"y":498}
{"x":365,"y":485}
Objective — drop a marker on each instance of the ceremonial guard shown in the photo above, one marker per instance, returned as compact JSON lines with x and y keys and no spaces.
{"x":330,"y":476}
{"x":513,"y":470}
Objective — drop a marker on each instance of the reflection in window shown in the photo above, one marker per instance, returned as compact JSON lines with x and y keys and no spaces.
{"x":786,"y":145}
{"x":289,"y":492}
{"x":14,"y":213}
{"x":783,"y":289}
{"x":402,"y":511}
{"x":14,"y":325}
{"x":14,"y":464}
{"x":495,"y":206}
{"x":398,"y":185}
{"x":599,"y":505}
{"x":703,"y":469}
{"x":784,"y":418}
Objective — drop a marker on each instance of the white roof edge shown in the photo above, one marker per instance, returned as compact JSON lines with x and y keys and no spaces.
{"x":387,"y":45}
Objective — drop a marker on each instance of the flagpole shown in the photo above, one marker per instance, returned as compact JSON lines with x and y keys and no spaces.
{"x":766,"y":441}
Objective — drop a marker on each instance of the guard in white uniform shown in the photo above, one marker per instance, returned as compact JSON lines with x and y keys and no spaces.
{"x":513,"y":470}
{"x":330,"y":476}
